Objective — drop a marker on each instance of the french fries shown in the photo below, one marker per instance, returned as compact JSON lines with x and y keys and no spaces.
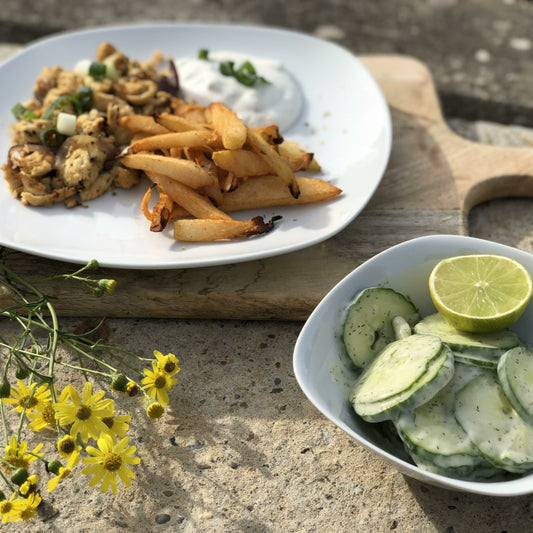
{"x":228,"y":125}
{"x":198,"y":230}
{"x":182,"y":170}
{"x":205,"y":163}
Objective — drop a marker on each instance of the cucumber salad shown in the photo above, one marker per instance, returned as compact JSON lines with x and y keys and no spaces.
{"x":461,"y":403}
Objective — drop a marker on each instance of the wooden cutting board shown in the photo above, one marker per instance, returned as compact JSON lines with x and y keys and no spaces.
{"x":434,"y":177}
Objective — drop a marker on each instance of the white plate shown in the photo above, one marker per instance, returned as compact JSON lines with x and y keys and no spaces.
{"x":345,"y":122}
{"x":326,"y":376}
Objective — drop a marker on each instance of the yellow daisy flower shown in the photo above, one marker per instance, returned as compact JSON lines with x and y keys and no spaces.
{"x":30,"y":485}
{"x":34,"y":397}
{"x":30,"y":507}
{"x":15,"y":454}
{"x":10,"y":509}
{"x":118,"y":425}
{"x":64,"y":471}
{"x":167,"y":363}
{"x":67,"y":446}
{"x":108,"y":461}
{"x":44,"y":418}
{"x":157,"y":383}
{"x":85,"y":413}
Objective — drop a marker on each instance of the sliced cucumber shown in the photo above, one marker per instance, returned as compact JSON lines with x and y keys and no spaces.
{"x":515,"y":372}
{"x":406,"y":374}
{"x":368,"y":325}
{"x":482,"y":471}
{"x":494,"y":427}
{"x":491,"y":344}
{"x":432,"y":434}
{"x":478,"y":360}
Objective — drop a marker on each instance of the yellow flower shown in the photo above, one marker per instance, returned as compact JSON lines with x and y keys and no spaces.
{"x":132,"y":389}
{"x":155,"y":410}
{"x":108,"y":461}
{"x":168,"y":364}
{"x":15,"y":454}
{"x":10,"y":509}
{"x":30,"y":506}
{"x":64,"y":471}
{"x":30,"y":485}
{"x":157,"y":383}
{"x":43,"y":418}
{"x":67,"y":446}
{"x":85,"y":413}
{"x":118,"y":425}
{"x":34,"y":397}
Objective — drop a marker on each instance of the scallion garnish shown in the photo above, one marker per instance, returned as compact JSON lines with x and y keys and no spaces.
{"x":20,"y":112}
{"x":81,"y":101}
{"x":227,"y":68}
{"x":97,"y":70}
{"x":51,"y":137}
{"x":245,"y":74}
{"x":203,"y":54}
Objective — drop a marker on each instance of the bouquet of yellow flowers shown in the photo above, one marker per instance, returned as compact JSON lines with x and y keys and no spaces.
{"x":81,"y":429}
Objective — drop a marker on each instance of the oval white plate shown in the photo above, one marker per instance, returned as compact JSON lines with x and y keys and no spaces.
{"x":326,"y":376}
{"x":345,"y":122}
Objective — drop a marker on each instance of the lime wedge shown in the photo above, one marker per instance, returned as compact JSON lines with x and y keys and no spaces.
{"x":480,"y":293}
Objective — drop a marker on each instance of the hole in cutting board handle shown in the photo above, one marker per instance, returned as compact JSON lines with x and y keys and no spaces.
{"x":505,"y":220}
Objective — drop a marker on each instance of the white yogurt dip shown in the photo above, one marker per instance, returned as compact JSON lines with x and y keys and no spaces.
{"x":277,"y":102}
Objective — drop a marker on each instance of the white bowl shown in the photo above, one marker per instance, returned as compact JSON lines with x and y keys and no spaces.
{"x":326,"y":376}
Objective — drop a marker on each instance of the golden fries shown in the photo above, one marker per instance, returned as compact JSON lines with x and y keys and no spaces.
{"x":228,"y":125}
{"x":182,"y":170}
{"x":196,"y":204}
{"x":191,"y":138}
{"x":266,"y":191}
{"x":198,"y":230}
{"x":162,"y":212}
{"x":175,"y":122}
{"x":278,"y":165}
{"x":206,"y":163}
{"x":142,"y":124}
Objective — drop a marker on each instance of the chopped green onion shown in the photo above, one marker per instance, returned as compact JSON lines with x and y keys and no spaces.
{"x":245,"y":74}
{"x":203,"y":54}
{"x":81,"y":101}
{"x":226,"y":68}
{"x":21,"y":112}
{"x":51,"y":137}
{"x":97,"y":70}
{"x":58,"y":103}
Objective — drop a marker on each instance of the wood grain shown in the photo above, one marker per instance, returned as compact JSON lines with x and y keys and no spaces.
{"x":433,"y":179}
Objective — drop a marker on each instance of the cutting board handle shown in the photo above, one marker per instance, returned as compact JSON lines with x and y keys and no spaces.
{"x":479,"y":172}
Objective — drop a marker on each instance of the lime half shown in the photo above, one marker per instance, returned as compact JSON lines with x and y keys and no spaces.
{"x":479,"y":293}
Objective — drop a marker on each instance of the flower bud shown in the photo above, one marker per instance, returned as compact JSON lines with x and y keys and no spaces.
{"x":155,"y":410}
{"x":5,"y":388}
{"x":19,"y":476}
{"x":108,"y":285}
{"x":119,"y":383}
{"x":93,"y":264}
{"x":54,"y":466}
{"x":22,"y":371}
